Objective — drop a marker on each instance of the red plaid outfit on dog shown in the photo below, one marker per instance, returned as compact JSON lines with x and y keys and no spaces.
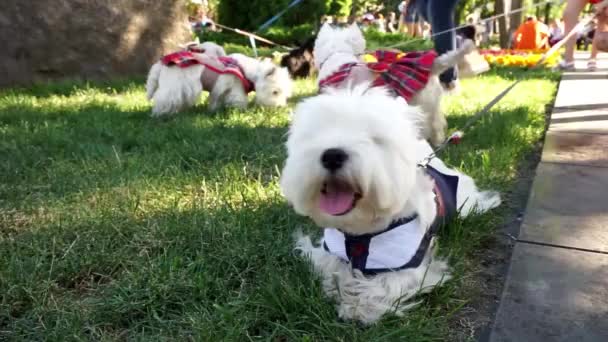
{"x":404,"y":73}
{"x":214,"y":66}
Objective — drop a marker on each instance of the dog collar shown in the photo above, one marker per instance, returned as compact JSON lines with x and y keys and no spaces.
{"x":337,"y":77}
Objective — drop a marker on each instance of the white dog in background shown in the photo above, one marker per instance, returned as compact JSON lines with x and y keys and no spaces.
{"x":336,"y":47}
{"x":173,"y":88}
{"x":352,"y":165}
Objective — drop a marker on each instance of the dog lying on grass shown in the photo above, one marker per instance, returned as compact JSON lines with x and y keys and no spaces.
{"x":352,"y":167}
{"x":300,"y":61}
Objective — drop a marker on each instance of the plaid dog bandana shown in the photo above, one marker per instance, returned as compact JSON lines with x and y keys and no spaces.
{"x":218,"y":65}
{"x":182,"y":59}
{"x":404,"y":73}
{"x":337,"y":77}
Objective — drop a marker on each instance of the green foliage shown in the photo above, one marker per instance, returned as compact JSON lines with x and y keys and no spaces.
{"x":467,"y":7}
{"x":212,"y":7}
{"x":249,"y":15}
{"x":338,"y":8}
{"x":288,"y":36}
{"x":292,"y":36}
{"x":362,"y":6}
{"x":233,"y":42}
{"x":221,"y":38}
{"x":307,"y":12}
{"x":379,"y":40}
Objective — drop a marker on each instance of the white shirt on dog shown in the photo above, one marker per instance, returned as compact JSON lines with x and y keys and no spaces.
{"x":388,"y":250}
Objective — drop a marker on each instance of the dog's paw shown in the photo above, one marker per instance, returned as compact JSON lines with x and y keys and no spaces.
{"x":298,"y":235}
{"x":304,"y":244}
{"x":368,"y":310}
{"x":491,"y":199}
{"x":436,"y":274}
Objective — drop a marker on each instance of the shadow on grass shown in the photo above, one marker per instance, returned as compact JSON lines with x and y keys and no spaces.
{"x":71,"y":87}
{"x":104,"y":146}
{"x":134,"y":267}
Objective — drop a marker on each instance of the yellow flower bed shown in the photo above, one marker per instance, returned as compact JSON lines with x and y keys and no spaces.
{"x":519,"y":58}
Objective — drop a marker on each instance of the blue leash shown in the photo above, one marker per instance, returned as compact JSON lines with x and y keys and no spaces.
{"x":277,"y":16}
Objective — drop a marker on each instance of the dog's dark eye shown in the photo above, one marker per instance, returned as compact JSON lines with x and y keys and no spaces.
{"x":275,"y":92}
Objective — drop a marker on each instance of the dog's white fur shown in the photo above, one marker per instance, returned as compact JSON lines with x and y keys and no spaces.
{"x":209,"y":48}
{"x":335,"y":47}
{"x":173,"y":89}
{"x":378,"y":133}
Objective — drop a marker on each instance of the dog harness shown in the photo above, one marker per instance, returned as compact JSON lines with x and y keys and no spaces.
{"x":214,"y":67}
{"x":404,"y":73}
{"x":402,"y":244}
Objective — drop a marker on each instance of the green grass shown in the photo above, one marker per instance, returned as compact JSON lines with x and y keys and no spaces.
{"x":114,"y":226}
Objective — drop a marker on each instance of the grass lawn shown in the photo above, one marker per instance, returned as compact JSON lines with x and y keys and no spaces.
{"x":114,"y":226}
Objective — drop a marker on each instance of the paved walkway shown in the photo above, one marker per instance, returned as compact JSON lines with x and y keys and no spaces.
{"x":557,"y":285}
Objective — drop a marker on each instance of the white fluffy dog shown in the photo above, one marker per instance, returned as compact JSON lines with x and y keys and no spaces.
{"x":173,"y":88}
{"x":336,"y":47}
{"x":352,"y":165}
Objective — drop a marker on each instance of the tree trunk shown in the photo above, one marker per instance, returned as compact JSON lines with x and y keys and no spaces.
{"x":515,"y":18}
{"x":502,"y":7}
{"x":95,"y":40}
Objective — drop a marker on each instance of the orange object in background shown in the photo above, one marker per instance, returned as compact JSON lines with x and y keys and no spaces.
{"x":531,"y":35}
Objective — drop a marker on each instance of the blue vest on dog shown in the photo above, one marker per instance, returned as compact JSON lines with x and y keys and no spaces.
{"x":402,"y":244}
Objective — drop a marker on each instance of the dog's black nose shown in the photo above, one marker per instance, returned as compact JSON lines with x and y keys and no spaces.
{"x":333,"y":158}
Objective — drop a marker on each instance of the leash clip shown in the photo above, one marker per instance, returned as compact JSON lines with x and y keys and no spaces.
{"x":425,"y":162}
{"x":453,"y":139}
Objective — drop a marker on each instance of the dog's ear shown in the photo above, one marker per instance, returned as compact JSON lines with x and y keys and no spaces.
{"x":355,"y":31}
{"x":325,"y":29}
{"x":356,"y":38}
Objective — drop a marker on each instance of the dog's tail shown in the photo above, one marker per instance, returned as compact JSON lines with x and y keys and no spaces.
{"x":152,"y":82}
{"x":452,"y":58}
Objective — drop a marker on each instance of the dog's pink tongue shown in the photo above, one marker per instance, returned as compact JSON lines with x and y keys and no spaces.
{"x":336,"y":201}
